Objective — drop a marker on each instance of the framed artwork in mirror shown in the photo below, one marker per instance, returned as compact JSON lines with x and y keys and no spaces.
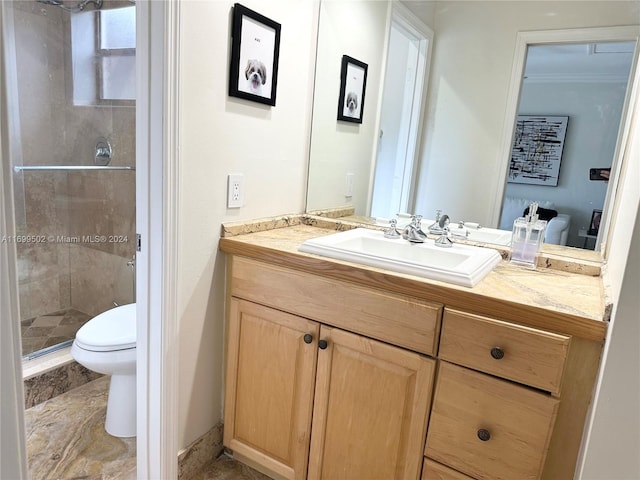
{"x":537,"y":147}
{"x":255,"y":47}
{"x":353,"y":83}
{"x":594,"y":225}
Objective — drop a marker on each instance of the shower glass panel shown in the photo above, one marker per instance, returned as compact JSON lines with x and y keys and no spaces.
{"x":70,"y":69}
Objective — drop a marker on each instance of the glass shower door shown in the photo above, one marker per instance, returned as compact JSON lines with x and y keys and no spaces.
{"x":71,"y":100}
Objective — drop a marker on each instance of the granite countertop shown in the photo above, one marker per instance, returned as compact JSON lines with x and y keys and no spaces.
{"x":563,"y":301}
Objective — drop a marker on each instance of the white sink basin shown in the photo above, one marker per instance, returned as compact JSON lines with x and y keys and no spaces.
{"x":461,"y":264}
{"x":489,"y":235}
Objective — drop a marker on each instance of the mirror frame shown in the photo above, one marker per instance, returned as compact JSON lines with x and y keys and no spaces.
{"x":577,"y":35}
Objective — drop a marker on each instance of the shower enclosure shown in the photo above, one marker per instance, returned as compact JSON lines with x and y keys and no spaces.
{"x":70,"y":69}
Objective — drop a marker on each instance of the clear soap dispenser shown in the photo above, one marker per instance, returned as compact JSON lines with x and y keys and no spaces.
{"x":527,"y":237}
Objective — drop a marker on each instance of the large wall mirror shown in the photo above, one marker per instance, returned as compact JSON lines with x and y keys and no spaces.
{"x":492,"y":65}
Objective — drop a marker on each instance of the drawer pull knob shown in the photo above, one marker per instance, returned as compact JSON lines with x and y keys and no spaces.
{"x":484,"y":435}
{"x":308,"y":338}
{"x":322,"y":344}
{"x":497,"y":353}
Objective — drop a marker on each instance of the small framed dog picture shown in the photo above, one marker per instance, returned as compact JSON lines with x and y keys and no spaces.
{"x":255,"y":47}
{"x":353,"y":82}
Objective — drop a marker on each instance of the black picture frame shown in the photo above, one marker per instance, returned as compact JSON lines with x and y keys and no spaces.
{"x":594,"y":224}
{"x":353,"y":84}
{"x":600,"y":174}
{"x":536,"y":152}
{"x":255,"y":48}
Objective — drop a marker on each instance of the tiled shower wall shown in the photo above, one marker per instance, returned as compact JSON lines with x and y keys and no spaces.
{"x":57,"y":274}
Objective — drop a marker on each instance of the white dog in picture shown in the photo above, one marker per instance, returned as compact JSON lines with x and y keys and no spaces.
{"x":351,"y":103}
{"x":256,"y":75}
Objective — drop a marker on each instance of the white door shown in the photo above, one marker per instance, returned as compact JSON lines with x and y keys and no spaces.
{"x":401,"y":113}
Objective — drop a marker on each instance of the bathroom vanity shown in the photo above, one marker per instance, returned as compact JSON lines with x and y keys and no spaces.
{"x":337,"y":370}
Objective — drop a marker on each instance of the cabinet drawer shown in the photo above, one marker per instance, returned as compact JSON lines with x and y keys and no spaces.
{"x":435,"y":471}
{"x":397,"y":319}
{"x":526,"y":355}
{"x":487,"y":427}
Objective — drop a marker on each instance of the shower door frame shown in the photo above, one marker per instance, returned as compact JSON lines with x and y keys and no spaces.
{"x":157,"y":50}
{"x":13,"y":455}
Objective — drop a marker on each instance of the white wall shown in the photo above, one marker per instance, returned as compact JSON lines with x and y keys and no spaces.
{"x":614,"y":440}
{"x":594,"y":110}
{"x":338,"y":147}
{"x":473,"y":53}
{"x":221,"y":135}
{"x":613,"y":437}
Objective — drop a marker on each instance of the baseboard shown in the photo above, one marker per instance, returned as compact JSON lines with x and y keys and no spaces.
{"x":199,"y":453}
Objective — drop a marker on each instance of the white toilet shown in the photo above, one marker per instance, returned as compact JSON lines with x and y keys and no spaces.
{"x":107,"y":344}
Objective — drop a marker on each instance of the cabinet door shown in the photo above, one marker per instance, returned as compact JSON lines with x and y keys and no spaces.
{"x":370,"y":409}
{"x":269,"y":387}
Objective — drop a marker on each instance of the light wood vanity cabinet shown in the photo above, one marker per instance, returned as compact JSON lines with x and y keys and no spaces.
{"x":334,"y":380}
{"x":308,"y":400}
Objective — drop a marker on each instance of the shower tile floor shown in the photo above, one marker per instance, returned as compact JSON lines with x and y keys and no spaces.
{"x":66,"y":440}
{"x":50,"y":329}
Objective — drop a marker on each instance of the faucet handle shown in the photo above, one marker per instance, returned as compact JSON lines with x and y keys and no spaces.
{"x":444,"y":240}
{"x":392,"y":232}
{"x":461,"y":231}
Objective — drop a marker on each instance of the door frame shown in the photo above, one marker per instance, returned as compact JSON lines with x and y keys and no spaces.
{"x":524,"y":39}
{"x":405,"y":20}
{"x":157,"y":195}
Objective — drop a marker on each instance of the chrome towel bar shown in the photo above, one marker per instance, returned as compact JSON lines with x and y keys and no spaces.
{"x":22,"y":168}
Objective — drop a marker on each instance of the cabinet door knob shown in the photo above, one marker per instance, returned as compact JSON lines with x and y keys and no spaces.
{"x":322,"y":344}
{"x":308,"y":338}
{"x":497,"y":353}
{"x":484,"y":435}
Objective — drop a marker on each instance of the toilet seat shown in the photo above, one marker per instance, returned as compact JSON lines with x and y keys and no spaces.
{"x":112,"y":330}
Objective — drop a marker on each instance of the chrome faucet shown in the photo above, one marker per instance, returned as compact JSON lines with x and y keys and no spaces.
{"x":413,"y":232}
{"x":392,"y":231}
{"x":443,"y":240}
{"x":460,"y":232}
{"x":435,"y":228}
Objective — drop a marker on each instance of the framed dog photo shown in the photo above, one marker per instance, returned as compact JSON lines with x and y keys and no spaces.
{"x":353,"y":82}
{"x":255,"y":47}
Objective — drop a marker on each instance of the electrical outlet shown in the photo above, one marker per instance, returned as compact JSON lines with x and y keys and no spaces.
{"x":348,"y":191}
{"x":235,"y":190}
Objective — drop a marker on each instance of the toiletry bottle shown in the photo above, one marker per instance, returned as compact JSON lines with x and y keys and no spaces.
{"x":527,"y":237}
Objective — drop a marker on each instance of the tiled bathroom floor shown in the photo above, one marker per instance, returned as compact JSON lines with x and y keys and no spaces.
{"x":50,"y":329}
{"x":66,"y":440}
{"x":226,"y":468}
